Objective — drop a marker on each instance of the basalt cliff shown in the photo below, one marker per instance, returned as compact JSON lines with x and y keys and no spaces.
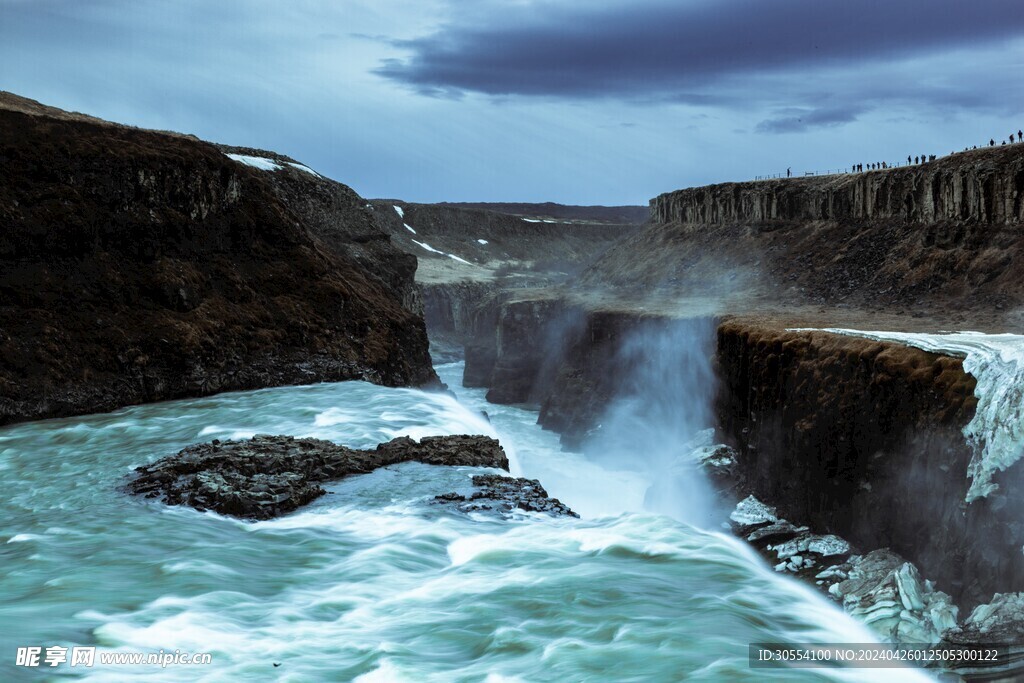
{"x":140,"y":266}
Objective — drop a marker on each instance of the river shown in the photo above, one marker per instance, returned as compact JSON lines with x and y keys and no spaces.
{"x":371,"y":582}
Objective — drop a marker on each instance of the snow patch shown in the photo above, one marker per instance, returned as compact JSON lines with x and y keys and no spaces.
{"x":256,"y":162}
{"x":303,"y":168}
{"x":428,"y":247}
{"x":482,"y":241}
{"x":398,"y":210}
{"x":442,"y":253}
{"x":532,"y":220}
{"x":409,"y":228}
{"x":996,"y":433}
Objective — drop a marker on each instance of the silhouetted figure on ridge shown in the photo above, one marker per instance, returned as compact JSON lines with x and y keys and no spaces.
{"x":917,"y":160}
{"x":908,"y":160}
{"x":788,"y":172}
{"x":1020,"y":136}
{"x":991,"y":142}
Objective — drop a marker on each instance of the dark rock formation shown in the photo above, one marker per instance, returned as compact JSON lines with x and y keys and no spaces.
{"x":518,"y":356}
{"x":504,"y":495}
{"x":942,"y":238}
{"x":457,"y":313}
{"x":268,"y":476}
{"x":984,"y":185}
{"x":140,"y":266}
{"x":865,"y":439}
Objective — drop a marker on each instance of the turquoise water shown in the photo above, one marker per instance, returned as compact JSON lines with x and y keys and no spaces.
{"x":371,"y":583}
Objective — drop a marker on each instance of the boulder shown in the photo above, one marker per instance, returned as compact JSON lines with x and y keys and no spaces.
{"x":503,"y":496}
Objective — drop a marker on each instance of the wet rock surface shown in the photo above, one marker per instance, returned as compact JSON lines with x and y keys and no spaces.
{"x":887,"y":593}
{"x":268,"y":476}
{"x":504,"y":496}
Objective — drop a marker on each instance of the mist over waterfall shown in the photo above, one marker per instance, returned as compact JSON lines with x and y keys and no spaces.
{"x":661,"y":413}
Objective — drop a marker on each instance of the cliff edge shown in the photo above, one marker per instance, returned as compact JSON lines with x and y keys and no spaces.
{"x":941,"y":239}
{"x":141,"y":266}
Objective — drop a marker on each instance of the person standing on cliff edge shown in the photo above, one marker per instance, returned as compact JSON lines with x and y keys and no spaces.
{"x":788,"y":173}
{"x":1020,"y":136}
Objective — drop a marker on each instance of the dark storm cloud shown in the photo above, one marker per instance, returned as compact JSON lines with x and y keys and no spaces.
{"x":678,"y":51}
{"x":794,"y":120}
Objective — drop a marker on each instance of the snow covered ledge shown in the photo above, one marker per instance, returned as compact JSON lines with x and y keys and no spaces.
{"x":264,"y":164}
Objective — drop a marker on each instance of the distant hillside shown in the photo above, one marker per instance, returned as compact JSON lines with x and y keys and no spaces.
{"x":598,"y":214}
{"x":455,"y":243}
{"x":944,"y":234}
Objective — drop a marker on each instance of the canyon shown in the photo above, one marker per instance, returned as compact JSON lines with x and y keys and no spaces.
{"x":142,"y":266}
{"x":861,"y":437}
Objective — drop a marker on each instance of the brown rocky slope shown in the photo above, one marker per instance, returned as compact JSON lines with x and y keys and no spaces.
{"x":139,"y":266}
{"x":923,"y":239}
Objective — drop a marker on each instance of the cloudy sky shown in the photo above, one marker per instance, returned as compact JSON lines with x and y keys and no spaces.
{"x":576,"y":101}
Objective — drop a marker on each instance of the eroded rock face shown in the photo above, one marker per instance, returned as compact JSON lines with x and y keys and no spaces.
{"x":504,"y":496}
{"x":268,"y":476}
{"x":138,"y":266}
{"x":943,"y":237}
{"x":865,"y":439}
{"x":982,"y":185}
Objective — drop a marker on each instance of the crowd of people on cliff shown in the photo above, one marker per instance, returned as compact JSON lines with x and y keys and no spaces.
{"x":925,"y":158}
{"x":911,"y":160}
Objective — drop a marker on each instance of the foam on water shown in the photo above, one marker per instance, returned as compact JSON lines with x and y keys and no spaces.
{"x":372,"y":582}
{"x":996,"y":433}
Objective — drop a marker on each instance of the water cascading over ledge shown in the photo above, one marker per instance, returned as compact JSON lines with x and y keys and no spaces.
{"x":865,"y":438}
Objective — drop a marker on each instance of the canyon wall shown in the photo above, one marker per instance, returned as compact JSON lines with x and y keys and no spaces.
{"x":140,"y":266}
{"x":942,"y":239}
{"x":983,"y":185}
{"x":864,"y":439}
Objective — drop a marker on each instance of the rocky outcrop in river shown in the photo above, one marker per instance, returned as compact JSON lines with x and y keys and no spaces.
{"x":140,"y":266}
{"x":268,"y":476}
{"x":504,"y":496}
